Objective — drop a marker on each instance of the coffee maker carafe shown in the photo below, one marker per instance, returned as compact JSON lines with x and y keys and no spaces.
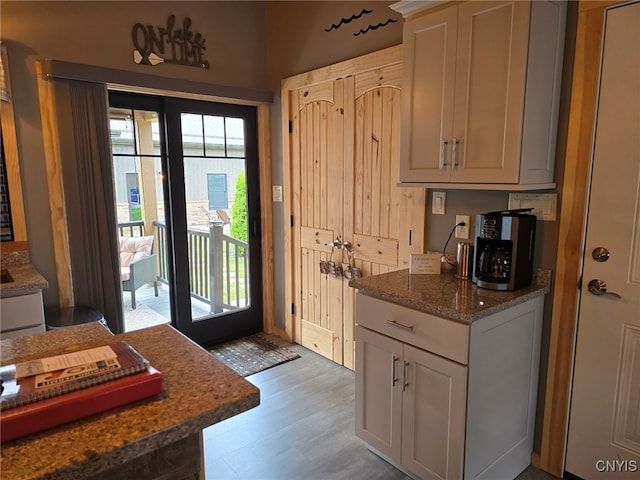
{"x":504,"y":249}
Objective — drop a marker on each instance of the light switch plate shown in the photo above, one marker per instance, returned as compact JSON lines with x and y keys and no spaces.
{"x":544,"y":204}
{"x":438,"y":201}
{"x":277,"y":193}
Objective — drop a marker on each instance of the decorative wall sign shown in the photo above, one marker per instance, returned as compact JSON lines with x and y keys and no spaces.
{"x":356,"y":16}
{"x":344,"y":21}
{"x":168,"y":44}
{"x":374,"y":27}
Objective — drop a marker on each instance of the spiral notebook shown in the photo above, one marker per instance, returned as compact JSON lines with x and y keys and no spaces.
{"x":62,"y":409}
{"x":28,"y":382}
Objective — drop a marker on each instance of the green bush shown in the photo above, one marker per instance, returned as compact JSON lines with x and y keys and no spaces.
{"x":239,"y":228}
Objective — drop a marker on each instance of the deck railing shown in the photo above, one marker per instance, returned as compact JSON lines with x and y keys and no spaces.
{"x":218,"y":264}
{"x":131,"y":229}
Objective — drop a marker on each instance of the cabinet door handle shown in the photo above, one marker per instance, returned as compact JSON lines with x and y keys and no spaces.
{"x":454,"y":153}
{"x":394,"y":378}
{"x":443,"y":153}
{"x":405,"y":381}
{"x":400,"y":325}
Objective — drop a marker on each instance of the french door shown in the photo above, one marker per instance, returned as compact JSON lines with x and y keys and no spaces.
{"x":188,"y":172}
{"x":346,"y":206}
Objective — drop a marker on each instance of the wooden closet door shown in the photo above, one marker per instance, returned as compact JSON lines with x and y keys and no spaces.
{"x":387,"y":223}
{"x":344,"y":163}
{"x":318,"y":138}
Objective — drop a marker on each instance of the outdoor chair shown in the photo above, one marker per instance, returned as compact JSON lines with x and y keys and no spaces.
{"x":224,"y":216}
{"x":137,"y":265}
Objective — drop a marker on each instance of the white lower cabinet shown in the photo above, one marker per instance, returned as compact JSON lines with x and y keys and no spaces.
{"x":437,"y":418}
{"x":412,"y":405}
{"x":21,"y":315}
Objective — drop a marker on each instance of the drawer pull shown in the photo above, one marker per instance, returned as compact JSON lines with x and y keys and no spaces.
{"x":394,"y":378}
{"x":397,"y":324}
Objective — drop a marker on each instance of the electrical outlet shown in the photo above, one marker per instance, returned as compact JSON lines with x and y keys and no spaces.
{"x":463,"y":232}
{"x":544,"y":204}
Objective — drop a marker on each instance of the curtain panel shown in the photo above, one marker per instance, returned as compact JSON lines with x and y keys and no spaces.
{"x":75,"y":115}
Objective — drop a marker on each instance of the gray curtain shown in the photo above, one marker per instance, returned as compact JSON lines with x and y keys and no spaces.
{"x":89,"y":198}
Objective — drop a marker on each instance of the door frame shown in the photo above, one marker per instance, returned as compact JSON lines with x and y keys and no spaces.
{"x":363,"y":63}
{"x":161,"y":86}
{"x":568,"y":269}
{"x":244,"y":321}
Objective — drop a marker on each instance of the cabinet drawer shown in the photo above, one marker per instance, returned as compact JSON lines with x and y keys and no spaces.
{"x":443,"y":337}
{"x":23,"y":332}
{"x":21,"y":312}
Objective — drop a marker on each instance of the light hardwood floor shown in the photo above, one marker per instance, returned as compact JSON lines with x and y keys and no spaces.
{"x":303,"y":429}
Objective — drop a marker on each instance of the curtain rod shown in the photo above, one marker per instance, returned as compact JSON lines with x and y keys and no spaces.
{"x":150,"y":83}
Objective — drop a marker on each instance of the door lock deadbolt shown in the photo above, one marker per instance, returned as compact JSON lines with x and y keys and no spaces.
{"x":600,"y":254}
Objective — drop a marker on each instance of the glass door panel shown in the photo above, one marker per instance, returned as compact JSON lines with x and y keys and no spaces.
{"x":221,"y":235}
{"x":187,"y":171}
{"x":139,"y":193}
{"x":217,"y":238}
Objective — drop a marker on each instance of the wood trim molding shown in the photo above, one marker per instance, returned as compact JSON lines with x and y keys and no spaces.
{"x":410,"y":7}
{"x":287,"y":182}
{"x":12,"y":159}
{"x":52,"y":158}
{"x":571,"y":234}
{"x":266,"y":216}
{"x":371,"y":61}
{"x":6,"y":247}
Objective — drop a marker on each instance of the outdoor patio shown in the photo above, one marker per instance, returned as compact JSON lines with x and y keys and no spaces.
{"x":151,"y":310}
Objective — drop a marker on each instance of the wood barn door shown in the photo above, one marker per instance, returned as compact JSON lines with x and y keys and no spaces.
{"x":343,"y":164}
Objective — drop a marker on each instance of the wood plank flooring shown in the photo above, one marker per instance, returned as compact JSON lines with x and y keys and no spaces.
{"x":302,"y":430}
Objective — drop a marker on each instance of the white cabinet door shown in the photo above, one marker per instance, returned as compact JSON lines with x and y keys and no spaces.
{"x":490,"y":74}
{"x":429,"y":63}
{"x":464,"y":74}
{"x":410,"y":405}
{"x":379,"y":391}
{"x":481,"y":85}
{"x":433,"y":415}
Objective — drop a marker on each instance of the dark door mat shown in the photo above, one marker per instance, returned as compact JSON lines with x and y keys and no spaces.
{"x":254,"y":354}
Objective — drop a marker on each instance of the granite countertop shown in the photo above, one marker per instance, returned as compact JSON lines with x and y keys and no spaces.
{"x":199,"y":391}
{"x":26,"y":280}
{"x":447,"y":296}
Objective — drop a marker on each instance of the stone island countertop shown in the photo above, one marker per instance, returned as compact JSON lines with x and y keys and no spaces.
{"x":199,"y":391}
{"x":445,"y":295}
{"x":26,"y":280}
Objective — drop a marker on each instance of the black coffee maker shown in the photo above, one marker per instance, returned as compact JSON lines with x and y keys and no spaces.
{"x":504,"y":249}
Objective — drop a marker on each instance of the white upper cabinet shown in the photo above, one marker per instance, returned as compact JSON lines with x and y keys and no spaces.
{"x":481,"y":87}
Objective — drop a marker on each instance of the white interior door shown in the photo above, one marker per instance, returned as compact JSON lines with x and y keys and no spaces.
{"x":604,"y":426}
